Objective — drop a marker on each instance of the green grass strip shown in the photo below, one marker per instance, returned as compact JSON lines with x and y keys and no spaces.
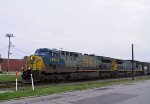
{"x":57,"y":88}
{"x":6,"y":78}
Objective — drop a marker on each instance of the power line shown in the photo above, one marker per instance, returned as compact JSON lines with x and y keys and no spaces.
{"x":22,"y":51}
{"x":18,"y":55}
{"x":35,"y":42}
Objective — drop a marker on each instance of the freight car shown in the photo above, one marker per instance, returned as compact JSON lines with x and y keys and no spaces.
{"x":53,"y":65}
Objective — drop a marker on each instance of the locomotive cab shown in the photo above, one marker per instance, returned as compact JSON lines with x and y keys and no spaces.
{"x":33,"y":64}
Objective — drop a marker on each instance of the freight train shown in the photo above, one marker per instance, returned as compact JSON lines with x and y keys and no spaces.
{"x":54,"y":65}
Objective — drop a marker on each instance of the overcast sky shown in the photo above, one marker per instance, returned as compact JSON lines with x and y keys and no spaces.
{"x":100,"y":27}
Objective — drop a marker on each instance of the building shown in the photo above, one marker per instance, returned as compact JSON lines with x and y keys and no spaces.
{"x":14,"y":64}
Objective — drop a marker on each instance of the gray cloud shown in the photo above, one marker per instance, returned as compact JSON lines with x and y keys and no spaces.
{"x":102,"y":27}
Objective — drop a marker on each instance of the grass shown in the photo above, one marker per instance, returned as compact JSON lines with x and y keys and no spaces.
{"x":51,"y":89}
{"x":6,"y":78}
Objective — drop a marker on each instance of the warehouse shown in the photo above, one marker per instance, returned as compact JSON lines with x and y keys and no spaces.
{"x":14,"y":65}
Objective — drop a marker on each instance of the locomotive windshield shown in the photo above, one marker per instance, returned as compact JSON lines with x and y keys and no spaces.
{"x":42,"y":52}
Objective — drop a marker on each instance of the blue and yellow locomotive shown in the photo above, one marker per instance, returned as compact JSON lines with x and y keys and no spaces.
{"x":53,"y":64}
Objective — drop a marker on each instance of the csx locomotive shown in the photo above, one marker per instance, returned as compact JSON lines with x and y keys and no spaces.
{"x":52,"y":65}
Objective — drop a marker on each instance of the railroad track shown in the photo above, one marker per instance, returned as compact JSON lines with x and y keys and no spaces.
{"x":10,"y":82}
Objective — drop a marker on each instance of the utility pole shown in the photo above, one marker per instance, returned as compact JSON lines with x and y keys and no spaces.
{"x":9,"y":46}
{"x":0,"y":64}
{"x":132,"y":61}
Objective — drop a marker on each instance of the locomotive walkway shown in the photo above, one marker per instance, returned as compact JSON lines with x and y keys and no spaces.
{"x":132,"y":93}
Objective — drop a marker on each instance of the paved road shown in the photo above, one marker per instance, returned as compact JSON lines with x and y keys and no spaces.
{"x":136,"y":93}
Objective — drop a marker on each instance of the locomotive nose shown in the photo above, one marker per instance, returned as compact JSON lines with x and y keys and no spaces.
{"x":35,"y":63}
